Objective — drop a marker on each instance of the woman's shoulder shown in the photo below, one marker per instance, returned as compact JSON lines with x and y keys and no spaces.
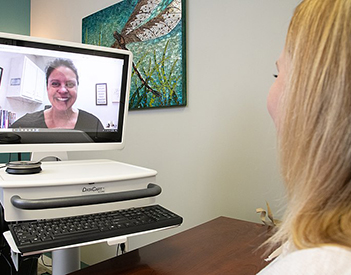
{"x":320,"y":260}
{"x":85,"y":114}
{"x":37,"y":114}
{"x":87,"y":120}
{"x":35,"y":119}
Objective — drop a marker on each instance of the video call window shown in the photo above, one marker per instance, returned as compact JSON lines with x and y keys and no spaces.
{"x":24,"y":88}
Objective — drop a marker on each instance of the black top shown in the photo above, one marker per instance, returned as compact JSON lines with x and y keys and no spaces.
{"x":85,"y":122}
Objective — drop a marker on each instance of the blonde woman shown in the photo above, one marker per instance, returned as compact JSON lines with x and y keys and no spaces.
{"x":310,"y":103}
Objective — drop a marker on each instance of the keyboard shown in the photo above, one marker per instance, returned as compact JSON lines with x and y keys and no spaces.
{"x":41,"y":235}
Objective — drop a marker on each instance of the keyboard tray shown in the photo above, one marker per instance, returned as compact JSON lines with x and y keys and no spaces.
{"x":42,"y":235}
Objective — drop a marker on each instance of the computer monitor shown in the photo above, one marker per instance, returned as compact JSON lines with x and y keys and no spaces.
{"x":58,"y":96}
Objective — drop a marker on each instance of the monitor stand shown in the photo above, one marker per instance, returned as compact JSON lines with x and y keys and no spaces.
{"x":67,"y":260}
{"x":49,"y":156}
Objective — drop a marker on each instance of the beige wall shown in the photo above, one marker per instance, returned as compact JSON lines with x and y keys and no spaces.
{"x":217,"y":156}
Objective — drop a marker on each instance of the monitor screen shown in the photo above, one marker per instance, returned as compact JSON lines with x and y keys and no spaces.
{"x":57,"y":95}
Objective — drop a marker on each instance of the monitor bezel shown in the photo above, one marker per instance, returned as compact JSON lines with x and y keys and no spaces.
{"x":58,"y":45}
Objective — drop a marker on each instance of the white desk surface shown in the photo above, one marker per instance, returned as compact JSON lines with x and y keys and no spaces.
{"x":75,"y":172}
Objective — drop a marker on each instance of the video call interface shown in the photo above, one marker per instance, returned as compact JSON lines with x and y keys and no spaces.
{"x":24,"y":89}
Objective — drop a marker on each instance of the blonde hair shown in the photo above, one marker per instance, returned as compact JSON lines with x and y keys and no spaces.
{"x":315,"y":126}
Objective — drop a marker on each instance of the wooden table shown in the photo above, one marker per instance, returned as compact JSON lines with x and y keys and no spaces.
{"x":220,"y":246}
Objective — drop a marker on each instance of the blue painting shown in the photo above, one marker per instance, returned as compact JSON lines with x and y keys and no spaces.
{"x":154,"y":31}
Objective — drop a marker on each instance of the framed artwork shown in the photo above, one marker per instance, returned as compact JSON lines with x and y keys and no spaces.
{"x":101,"y":94}
{"x":154,"y":31}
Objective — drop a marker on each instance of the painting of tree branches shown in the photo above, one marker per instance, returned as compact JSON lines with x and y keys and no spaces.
{"x":154,"y":31}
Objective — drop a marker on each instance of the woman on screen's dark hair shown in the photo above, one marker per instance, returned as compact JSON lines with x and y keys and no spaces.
{"x":62,"y":82}
{"x":61,"y":62}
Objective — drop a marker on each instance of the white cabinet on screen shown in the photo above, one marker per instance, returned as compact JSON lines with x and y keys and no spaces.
{"x":26,"y":81}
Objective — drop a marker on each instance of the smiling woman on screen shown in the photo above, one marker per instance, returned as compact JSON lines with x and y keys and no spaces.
{"x":62,"y":86}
